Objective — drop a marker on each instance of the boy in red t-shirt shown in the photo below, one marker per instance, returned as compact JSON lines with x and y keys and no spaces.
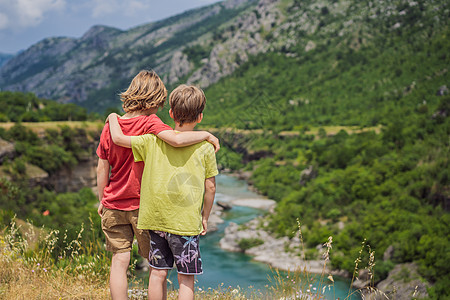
{"x":119,"y":177}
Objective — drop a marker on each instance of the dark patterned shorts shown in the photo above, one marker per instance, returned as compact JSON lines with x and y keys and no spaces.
{"x":168,"y":248}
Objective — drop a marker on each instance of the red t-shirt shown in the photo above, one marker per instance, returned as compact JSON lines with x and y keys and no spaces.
{"x":124,"y":187}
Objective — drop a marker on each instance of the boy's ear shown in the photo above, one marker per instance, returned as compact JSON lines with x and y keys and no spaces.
{"x":200,"y":118}
{"x":171,"y":113}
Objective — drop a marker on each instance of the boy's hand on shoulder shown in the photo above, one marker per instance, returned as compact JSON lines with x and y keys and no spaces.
{"x":112,"y":115}
{"x":215,"y":141}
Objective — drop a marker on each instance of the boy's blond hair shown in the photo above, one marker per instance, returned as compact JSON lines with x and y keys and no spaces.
{"x":146,"y":91}
{"x":187,"y":103}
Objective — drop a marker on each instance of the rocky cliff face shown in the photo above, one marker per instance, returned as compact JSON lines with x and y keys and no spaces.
{"x":242,"y":38}
{"x":67,"y":179}
{"x":6,"y":150}
{"x":80,"y":176}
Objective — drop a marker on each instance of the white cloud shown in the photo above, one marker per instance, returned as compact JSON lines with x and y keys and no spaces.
{"x":104,"y":7}
{"x":4,"y":21}
{"x":24,"y":22}
{"x":135,"y":7}
{"x":101,"y":8}
{"x":27,"y":13}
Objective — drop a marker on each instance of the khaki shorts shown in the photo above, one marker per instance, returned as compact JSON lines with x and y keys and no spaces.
{"x":120,"y":227}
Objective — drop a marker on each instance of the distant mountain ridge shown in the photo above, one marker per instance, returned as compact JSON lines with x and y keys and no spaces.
{"x":92,"y":69}
{"x":4,"y":58}
{"x":203,"y":45}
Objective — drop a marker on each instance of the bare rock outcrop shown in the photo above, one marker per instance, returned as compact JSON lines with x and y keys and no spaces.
{"x":6,"y":150}
{"x":241,"y":41}
{"x":281,"y":253}
{"x":402,"y":283}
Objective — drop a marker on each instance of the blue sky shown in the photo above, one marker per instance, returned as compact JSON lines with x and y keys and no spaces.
{"x":26,"y":22}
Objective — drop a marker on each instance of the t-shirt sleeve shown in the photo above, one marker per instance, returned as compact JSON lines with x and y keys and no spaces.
{"x":155,"y":125}
{"x":210,"y":161}
{"x":141,"y":146}
{"x":103,"y":146}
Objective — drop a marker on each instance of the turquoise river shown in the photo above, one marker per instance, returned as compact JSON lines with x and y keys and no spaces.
{"x":229,"y":269}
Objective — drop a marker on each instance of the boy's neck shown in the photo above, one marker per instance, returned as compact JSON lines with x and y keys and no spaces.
{"x":185,"y":127}
{"x":147,"y":112}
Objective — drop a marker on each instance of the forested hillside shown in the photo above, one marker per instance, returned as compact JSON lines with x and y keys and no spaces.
{"x":388,"y":185}
{"x":20,"y":107}
{"x":36,"y":164}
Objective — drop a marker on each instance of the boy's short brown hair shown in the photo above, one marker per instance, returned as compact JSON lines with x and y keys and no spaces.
{"x":146,"y":91}
{"x":187,"y":103}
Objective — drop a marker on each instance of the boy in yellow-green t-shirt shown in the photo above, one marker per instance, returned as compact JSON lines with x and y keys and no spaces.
{"x":177,"y":193}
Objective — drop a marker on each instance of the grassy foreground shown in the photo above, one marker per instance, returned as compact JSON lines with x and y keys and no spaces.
{"x":32,"y":266}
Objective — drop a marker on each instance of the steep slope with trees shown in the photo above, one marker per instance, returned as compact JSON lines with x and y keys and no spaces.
{"x":389,"y":186}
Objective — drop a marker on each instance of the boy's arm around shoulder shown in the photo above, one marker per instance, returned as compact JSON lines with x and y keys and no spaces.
{"x":208,"y":201}
{"x":116,"y":132}
{"x":175,"y":139}
{"x":187,"y":138}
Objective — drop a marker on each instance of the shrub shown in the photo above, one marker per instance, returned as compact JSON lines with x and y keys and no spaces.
{"x":245,"y":243}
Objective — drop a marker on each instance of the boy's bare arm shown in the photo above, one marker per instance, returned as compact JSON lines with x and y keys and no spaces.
{"x":208,"y":201}
{"x":116,"y":132}
{"x":186,"y":138}
{"x":102,"y":180}
{"x":176,"y":139}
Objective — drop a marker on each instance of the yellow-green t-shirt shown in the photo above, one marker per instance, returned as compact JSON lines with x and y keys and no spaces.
{"x":173,"y":184}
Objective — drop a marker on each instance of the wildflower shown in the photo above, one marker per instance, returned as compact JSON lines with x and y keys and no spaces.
{"x":45,"y":270}
{"x":46,"y":213}
{"x":38,"y":264}
{"x":32,"y":271}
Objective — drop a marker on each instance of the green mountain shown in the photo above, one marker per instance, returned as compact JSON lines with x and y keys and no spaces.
{"x":342,"y":63}
{"x":379,"y":72}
